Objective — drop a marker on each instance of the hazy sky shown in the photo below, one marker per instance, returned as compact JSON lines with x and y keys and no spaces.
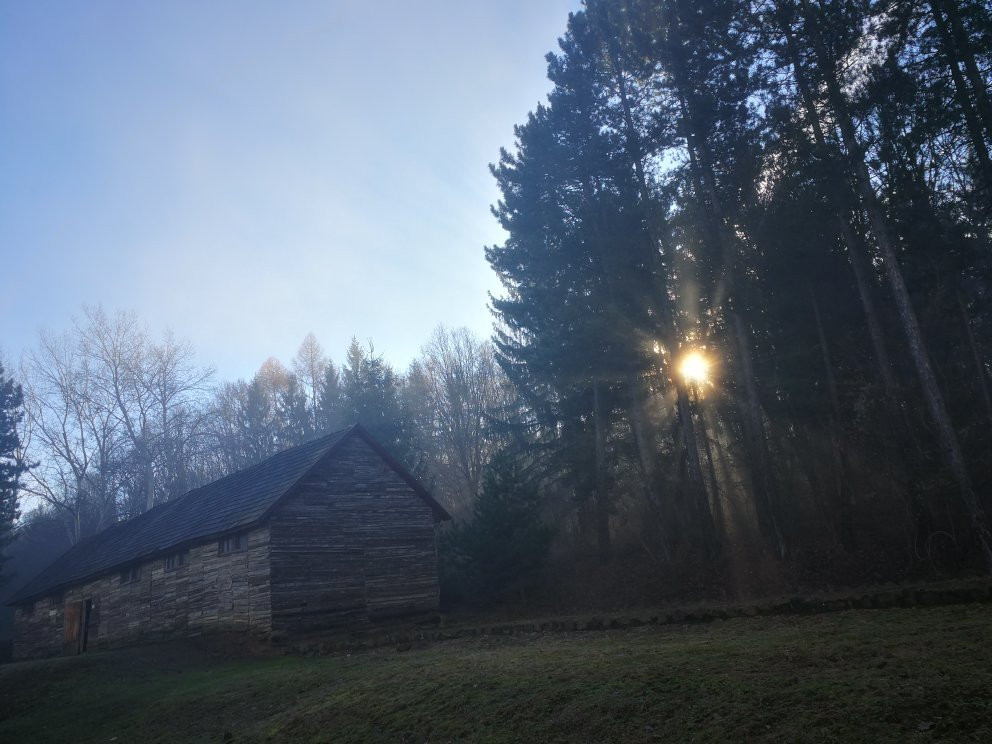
{"x":246,"y":172}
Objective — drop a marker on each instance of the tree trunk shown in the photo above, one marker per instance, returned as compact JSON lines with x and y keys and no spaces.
{"x":856,"y":253}
{"x":656,"y":230}
{"x":841,"y":471}
{"x":844,"y":209}
{"x":699,"y":499}
{"x":949,"y":445}
{"x":602,"y":495}
{"x":860,"y":267}
{"x":646,"y":457}
{"x":717,"y":504}
{"x":980,"y":370}
{"x":756,"y":445}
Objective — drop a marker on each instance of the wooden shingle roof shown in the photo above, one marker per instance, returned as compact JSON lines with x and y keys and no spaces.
{"x":233,"y":503}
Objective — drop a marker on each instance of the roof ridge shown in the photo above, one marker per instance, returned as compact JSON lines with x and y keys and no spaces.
{"x":160,"y":508}
{"x":233,"y":502}
{"x":248,"y":469}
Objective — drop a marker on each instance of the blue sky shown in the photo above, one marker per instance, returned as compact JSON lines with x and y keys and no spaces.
{"x":246,"y":172}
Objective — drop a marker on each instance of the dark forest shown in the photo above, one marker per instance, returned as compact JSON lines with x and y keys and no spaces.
{"x":742,"y":345}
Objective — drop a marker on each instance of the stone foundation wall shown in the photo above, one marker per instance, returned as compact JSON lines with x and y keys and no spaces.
{"x":211,"y":592}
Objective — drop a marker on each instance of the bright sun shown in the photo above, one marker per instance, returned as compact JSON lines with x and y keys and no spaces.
{"x":694,"y":368}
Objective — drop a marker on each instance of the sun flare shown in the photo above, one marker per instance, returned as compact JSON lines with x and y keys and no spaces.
{"x":695,"y":369}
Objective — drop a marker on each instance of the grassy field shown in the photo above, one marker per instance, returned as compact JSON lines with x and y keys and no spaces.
{"x":860,"y":675}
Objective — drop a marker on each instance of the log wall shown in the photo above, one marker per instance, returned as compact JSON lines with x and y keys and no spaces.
{"x":353,"y":544}
{"x":211,"y":592}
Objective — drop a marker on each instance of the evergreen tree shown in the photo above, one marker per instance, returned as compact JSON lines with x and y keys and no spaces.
{"x":12,"y":464}
{"x":295,"y":421}
{"x":504,"y":544}
{"x":370,"y":396}
{"x":780,"y":181}
{"x":330,"y":414}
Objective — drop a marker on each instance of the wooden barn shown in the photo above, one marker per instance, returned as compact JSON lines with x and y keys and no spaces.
{"x":333,"y":533}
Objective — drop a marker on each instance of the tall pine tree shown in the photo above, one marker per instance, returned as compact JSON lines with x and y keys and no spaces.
{"x":12,"y":464}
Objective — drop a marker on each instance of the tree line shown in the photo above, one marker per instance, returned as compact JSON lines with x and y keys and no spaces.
{"x":114,"y":421}
{"x":798,"y":192}
{"x":745,"y":318}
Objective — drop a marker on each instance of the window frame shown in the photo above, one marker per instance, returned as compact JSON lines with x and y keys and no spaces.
{"x":176,"y":561}
{"x":130,"y":575}
{"x":234,"y":543}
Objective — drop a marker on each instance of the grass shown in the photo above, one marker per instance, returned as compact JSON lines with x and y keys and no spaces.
{"x":860,"y":675}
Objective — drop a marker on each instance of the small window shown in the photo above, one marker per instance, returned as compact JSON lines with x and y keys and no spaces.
{"x":131,"y":575}
{"x":232,"y":544}
{"x":28,"y":609}
{"x":55,"y":600}
{"x":176,"y":560}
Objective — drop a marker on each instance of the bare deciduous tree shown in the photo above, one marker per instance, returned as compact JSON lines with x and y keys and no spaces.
{"x":310,"y":367}
{"x":462,"y":387}
{"x":116,"y":422}
{"x":76,"y":440}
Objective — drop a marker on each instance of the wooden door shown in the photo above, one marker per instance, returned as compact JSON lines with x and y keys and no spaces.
{"x":73,"y":626}
{"x":88,"y":608}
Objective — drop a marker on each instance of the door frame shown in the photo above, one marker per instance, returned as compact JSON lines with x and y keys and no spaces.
{"x":76,"y":626}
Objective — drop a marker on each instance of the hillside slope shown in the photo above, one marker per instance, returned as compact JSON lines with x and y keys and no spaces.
{"x":874,"y":675}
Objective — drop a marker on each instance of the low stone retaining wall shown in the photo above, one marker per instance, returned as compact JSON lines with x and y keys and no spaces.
{"x":405,"y":638}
